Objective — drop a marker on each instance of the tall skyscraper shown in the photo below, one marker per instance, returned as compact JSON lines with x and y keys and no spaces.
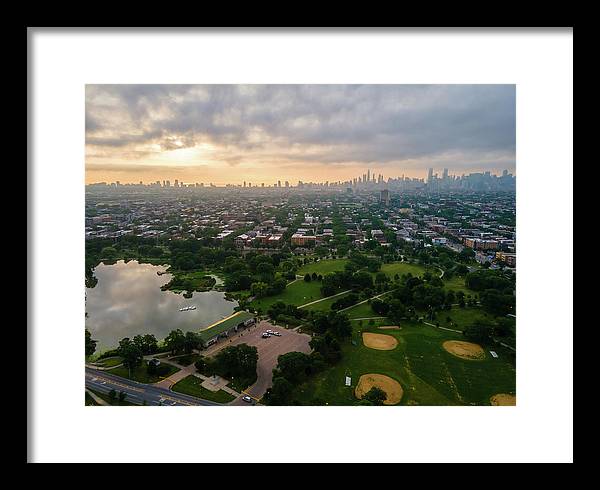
{"x":430,"y":176}
{"x":384,"y":197}
{"x":369,"y":175}
{"x":445,"y":174}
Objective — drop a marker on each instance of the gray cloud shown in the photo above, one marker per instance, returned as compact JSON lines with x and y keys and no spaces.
{"x":332,"y":124}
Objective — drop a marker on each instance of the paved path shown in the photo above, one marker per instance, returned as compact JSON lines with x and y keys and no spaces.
{"x":324,"y":299}
{"x":102,"y":368}
{"x":366,"y":300}
{"x":443,"y":328}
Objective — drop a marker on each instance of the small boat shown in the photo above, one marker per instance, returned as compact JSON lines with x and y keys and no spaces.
{"x":187,"y":308}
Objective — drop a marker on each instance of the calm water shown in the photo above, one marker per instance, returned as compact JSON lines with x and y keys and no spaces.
{"x":127,"y":301}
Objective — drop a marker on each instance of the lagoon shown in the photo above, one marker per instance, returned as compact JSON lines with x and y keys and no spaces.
{"x":127,"y":300}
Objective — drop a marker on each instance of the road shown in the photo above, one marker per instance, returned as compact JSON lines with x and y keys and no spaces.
{"x":103,"y":382}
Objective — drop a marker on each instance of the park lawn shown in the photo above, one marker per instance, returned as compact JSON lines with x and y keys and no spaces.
{"x":325,"y":305}
{"x":400,"y":268}
{"x":462,"y":317}
{"x":140,"y":373}
{"x":187,"y":359}
{"x":325,"y":266}
{"x":428,"y":374}
{"x":360,"y":311}
{"x":110,"y":362}
{"x":457,"y":283}
{"x":192,"y":385}
{"x":296,"y":293}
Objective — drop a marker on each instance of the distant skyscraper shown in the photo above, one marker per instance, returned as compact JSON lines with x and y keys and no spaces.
{"x":445,"y":174}
{"x":287,"y":184}
{"x":369,"y":175}
{"x":384,"y":197}
{"x":279,"y":183}
{"x":176,"y":183}
{"x":430,"y":176}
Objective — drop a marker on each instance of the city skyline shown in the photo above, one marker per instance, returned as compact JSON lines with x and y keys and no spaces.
{"x":378,"y":179}
{"x":226,"y":134}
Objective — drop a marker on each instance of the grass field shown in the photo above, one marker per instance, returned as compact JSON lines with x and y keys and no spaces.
{"x":456,"y":284}
{"x":140,"y":374}
{"x":428,"y":374}
{"x":462,"y":317}
{"x":296,"y":293}
{"x":402,"y":268}
{"x":192,"y":385}
{"x":325,"y":266}
{"x":187,"y":359}
{"x":110,"y":362}
{"x":325,"y":305}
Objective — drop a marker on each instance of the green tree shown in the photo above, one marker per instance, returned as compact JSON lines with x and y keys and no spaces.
{"x":259,"y":289}
{"x":375,"y":395}
{"x":279,"y":393}
{"x":175,"y":341}
{"x":191,"y":342}
{"x":131,"y":354}
{"x":90,"y":344}
{"x":108,"y":253}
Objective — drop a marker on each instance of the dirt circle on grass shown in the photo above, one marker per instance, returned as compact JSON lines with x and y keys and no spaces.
{"x":503,"y":399}
{"x":379,"y":341}
{"x":392,"y":388}
{"x":464,"y":350}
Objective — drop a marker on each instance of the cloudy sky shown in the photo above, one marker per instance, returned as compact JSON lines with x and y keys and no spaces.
{"x":264,"y":133}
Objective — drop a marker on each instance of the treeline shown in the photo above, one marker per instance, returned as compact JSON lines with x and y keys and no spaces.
{"x":236,"y":362}
{"x":264,"y":275}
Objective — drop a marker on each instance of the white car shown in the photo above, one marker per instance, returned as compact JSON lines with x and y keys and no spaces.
{"x":270,"y":331}
{"x":276,"y":333}
{"x":247,"y":399}
{"x":266,"y":335}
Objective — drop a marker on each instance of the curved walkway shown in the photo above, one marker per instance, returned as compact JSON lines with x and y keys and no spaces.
{"x":324,"y":299}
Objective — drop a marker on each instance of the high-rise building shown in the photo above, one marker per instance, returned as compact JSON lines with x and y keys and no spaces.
{"x":430,"y":176}
{"x":369,"y":175}
{"x":445,"y":174}
{"x":279,"y":183}
{"x":384,"y":197}
{"x":287,"y":184}
{"x":176,"y":183}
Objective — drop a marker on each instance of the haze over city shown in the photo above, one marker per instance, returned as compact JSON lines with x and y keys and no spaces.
{"x":227,"y":134}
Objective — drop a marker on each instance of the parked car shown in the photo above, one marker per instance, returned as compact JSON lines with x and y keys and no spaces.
{"x":276,"y":333}
{"x":266,"y":335}
{"x":247,"y":399}
{"x":270,"y":331}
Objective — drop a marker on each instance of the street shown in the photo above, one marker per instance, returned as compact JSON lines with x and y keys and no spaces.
{"x":103,"y":382}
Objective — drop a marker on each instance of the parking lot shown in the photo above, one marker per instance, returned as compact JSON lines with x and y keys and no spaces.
{"x":269,"y":350}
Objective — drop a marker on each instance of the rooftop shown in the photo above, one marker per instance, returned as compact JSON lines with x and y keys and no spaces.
{"x":224,"y":324}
